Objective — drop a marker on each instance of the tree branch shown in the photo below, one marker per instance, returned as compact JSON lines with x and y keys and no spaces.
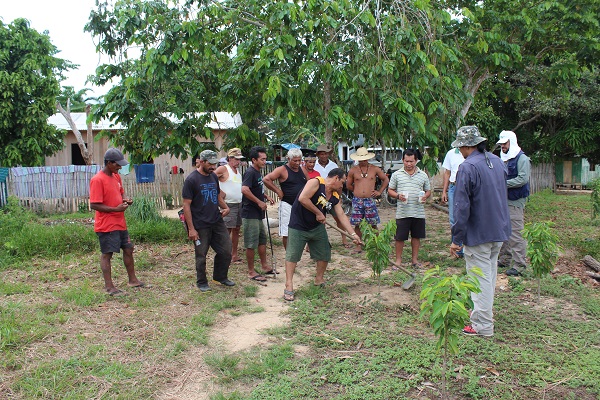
{"x":521,"y":123}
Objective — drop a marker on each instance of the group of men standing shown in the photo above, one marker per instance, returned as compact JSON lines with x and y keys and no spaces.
{"x":486,"y":196}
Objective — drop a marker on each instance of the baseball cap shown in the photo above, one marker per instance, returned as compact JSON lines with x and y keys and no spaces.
{"x":235,"y":152}
{"x":505,"y":136}
{"x":209,"y":156}
{"x":115,"y":155}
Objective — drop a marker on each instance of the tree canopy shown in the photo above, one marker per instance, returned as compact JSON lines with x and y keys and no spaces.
{"x":29,"y":84}
{"x":401,"y":72}
{"x":333,"y":68}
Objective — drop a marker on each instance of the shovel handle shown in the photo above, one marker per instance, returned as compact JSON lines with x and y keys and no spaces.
{"x":349,"y":236}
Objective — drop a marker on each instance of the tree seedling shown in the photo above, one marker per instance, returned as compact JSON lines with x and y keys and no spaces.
{"x":446,"y":300}
{"x":542,"y":249}
{"x":378,"y":246}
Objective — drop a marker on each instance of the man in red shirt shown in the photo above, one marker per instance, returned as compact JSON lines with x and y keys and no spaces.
{"x":107,"y":197}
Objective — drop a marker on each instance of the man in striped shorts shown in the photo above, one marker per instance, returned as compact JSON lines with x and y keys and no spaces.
{"x":411,"y":187}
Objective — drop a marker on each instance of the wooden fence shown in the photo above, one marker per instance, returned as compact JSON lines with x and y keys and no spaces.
{"x":542,"y":177}
{"x":66,"y":189}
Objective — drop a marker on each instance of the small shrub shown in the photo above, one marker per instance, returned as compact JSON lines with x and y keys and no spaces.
{"x":446,"y":300}
{"x":143,"y":208}
{"x":378,"y":246}
{"x":542,"y":249}
{"x":595,"y":198}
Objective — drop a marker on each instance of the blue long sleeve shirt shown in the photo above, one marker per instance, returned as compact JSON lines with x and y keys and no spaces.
{"x":480,"y":201}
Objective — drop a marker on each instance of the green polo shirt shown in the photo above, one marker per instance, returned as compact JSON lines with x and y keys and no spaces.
{"x":402,"y":181}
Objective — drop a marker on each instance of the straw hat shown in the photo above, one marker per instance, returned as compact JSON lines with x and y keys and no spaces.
{"x":362,"y":154}
{"x":324,"y":148}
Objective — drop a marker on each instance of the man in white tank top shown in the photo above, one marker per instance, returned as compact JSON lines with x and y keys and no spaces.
{"x":230,"y":182}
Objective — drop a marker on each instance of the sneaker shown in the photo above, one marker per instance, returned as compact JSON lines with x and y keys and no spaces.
{"x":512,"y":272}
{"x":204,"y":287}
{"x":227,"y":282}
{"x":469,"y":331}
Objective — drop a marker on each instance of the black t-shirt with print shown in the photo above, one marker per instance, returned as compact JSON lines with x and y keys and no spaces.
{"x":253,"y":179}
{"x":302,"y":218}
{"x":203,"y":191}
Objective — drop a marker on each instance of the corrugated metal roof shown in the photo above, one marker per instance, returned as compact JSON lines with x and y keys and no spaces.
{"x":219,"y":120}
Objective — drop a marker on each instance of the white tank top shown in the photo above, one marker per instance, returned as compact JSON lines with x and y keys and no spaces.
{"x":232,"y":187}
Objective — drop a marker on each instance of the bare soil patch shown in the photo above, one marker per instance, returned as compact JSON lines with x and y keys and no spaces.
{"x":239,"y":333}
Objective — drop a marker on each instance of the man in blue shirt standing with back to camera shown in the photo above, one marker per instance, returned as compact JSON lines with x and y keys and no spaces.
{"x":481,"y":221}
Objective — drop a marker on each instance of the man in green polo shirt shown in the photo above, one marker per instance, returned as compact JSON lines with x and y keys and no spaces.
{"x":411,"y":187}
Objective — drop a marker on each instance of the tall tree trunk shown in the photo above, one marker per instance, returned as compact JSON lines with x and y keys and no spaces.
{"x":328,"y":127}
{"x":87,"y":156}
{"x":90,"y":135}
{"x":475,"y":79}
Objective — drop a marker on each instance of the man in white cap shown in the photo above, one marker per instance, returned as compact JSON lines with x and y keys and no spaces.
{"x":230,"y":182}
{"x":361,"y":181}
{"x":107,"y":198}
{"x":480,"y":222}
{"x":514,"y":251}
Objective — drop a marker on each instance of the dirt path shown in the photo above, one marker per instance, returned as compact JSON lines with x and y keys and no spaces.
{"x":238,"y":333}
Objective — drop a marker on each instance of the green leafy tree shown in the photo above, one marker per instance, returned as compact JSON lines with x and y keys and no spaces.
{"x":446,"y":300}
{"x":77,"y":100}
{"x":335,"y":68}
{"x":498,"y":39}
{"x":29,"y":82}
{"x":378,"y":246}
{"x":542,"y":249}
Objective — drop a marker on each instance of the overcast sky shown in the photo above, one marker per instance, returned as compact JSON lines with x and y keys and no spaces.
{"x":64,"y":20}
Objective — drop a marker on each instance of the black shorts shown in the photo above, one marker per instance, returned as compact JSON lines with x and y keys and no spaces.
{"x":416,"y":227}
{"x":113,"y":242}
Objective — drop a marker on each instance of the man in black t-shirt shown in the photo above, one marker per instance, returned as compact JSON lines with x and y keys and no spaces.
{"x":253,"y":213}
{"x":319,"y":197}
{"x":201,"y":201}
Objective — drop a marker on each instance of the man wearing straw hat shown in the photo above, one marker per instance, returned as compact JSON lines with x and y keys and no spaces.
{"x":230,"y":182}
{"x":324,"y":164}
{"x":361,"y":181}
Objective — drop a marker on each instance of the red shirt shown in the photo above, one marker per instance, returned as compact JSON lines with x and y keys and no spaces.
{"x":107,"y":190}
{"x":313,"y":174}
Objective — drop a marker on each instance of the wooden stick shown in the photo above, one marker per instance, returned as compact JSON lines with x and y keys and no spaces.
{"x":341,"y":231}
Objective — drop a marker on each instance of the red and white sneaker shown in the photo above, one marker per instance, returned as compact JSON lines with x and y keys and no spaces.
{"x":469,"y":331}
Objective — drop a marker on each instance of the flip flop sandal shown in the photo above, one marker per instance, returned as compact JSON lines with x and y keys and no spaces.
{"x":270,"y":272}
{"x":288,"y":295}
{"x":117,"y":293}
{"x":141,"y":285}
{"x":259,"y":278}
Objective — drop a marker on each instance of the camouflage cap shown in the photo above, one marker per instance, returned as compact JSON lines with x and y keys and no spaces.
{"x":467,"y":136}
{"x":209,"y":156}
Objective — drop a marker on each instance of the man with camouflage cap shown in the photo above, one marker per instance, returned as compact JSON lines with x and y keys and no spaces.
{"x":201,"y":201}
{"x":482,"y":221}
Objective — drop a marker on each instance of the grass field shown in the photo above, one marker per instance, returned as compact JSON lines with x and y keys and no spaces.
{"x":62,"y":337}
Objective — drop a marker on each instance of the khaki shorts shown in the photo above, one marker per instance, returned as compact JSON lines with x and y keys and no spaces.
{"x":234,"y":218}
{"x":255,"y":233}
{"x":318,"y":243}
